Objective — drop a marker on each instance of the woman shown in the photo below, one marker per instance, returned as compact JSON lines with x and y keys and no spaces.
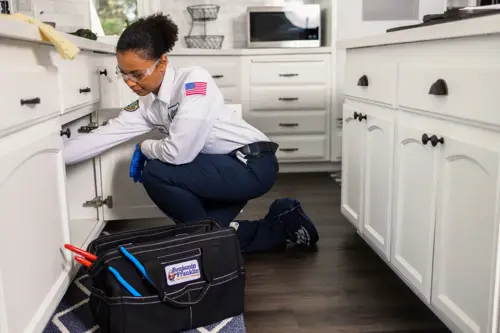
{"x":210,"y":163}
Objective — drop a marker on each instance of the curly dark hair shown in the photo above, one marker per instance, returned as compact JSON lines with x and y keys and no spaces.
{"x":150,"y":36}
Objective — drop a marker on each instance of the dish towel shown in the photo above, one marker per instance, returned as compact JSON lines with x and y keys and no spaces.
{"x":64,"y":46}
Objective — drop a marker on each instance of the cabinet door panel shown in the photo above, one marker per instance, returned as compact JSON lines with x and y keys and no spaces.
{"x":378,"y":177}
{"x":352,"y":166}
{"x":130,"y":200}
{"x":34,"y":228}
{"x":466,"y":234}
{"x":81,"y":186}
{"x":414,"y":211}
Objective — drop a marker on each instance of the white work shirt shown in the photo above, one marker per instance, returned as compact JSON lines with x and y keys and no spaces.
{"x":189,"y":109}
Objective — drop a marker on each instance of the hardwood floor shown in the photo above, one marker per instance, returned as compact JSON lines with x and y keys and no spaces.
{"x":342,"y":286}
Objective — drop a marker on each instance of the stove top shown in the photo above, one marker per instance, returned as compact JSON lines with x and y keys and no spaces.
{"x":450,"y":15}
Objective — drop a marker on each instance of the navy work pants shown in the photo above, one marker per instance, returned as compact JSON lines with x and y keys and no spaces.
{"x":218,"y":187}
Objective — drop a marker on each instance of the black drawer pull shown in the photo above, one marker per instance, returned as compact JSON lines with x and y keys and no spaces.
{"x":288,"y":150}
{"x":104,"y":72}
{"x":35,"y":100}
{"x":288,"y":99}
{"x":361,"y":117}
{"x":289,"y":124}
{"x":67,"y":132}
{"x":363,"y":81}
{"x":85,"y":90}
{"x":217,"y":76}
{"x":356,"y":115}
{"x":435,"y":140}
{"x":439,"y":88}
{"x":288,"y":74}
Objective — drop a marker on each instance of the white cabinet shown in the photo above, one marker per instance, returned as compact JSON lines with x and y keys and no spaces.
{"x":466,"y":227}
{"x":34,"y":226}
{"x":368,"y":137}
{"x":414,"y":204}
{"x":352,"y":166}
{"x":378,"y":127}
{"x":113,"y":90}
{"x":126,"y":199}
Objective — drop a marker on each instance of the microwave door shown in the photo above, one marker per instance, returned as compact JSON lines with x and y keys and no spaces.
{"x":284,"y":29}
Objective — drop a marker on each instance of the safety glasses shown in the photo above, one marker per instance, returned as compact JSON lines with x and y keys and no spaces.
{"x":137,"y":76}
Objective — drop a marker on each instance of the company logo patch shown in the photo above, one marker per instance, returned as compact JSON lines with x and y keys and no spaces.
{"x":132,"y":106}
{"x":182,"y":272}
{"x":172,"y":111}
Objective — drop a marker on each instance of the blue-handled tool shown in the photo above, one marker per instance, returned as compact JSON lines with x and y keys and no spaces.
{"x":135,"y":262}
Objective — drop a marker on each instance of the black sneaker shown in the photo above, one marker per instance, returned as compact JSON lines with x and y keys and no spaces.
{"x":298,"y":226}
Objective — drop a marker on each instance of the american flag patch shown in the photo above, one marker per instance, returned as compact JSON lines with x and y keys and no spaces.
{"x":196,"y":88}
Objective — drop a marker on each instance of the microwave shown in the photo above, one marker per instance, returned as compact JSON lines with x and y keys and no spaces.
{"x":294,"y":25}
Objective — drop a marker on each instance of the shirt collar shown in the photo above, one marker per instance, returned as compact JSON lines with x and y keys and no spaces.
{"x":165,"y":91}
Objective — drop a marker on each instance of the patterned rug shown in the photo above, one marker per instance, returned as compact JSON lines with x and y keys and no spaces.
{"x":73,"y":315}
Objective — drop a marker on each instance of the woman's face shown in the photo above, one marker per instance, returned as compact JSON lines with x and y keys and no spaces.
{"x":143,"y":76}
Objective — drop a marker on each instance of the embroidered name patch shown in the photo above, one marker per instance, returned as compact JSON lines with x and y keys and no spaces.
{"x":195,"y":88}
{"x":182,"y":272}
{"x":132,"y":106}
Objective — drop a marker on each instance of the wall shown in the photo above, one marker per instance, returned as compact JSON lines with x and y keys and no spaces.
{"x":231,"y":20}
{"x":69,"y":15}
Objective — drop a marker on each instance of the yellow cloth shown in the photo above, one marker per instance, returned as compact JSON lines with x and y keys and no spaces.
{"x":64,"y":46}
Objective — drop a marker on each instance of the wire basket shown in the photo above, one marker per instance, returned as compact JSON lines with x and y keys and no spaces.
{"x":203,"y":12}
{"x":204,"y":41}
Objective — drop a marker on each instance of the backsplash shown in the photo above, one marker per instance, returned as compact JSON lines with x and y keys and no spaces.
{"x":231,"y":21}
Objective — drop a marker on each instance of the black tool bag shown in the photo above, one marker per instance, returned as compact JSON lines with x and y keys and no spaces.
{"x":196,"y":272}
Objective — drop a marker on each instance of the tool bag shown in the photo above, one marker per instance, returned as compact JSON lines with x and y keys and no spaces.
{"x":195,"y":277}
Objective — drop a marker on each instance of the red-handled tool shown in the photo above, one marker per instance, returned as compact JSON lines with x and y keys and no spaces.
{"x":85,"y":254}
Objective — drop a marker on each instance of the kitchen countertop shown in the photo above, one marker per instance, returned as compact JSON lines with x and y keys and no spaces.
{"x":248,"y":52}
{"x":485,"y":25}
{"x":18,"y":30}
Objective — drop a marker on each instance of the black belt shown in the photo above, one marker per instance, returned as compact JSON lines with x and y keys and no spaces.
{"x":256,"y":148}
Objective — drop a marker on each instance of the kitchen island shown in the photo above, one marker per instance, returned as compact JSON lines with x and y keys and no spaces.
{"x":421,"y":159}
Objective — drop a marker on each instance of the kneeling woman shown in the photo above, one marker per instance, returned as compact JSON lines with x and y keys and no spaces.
{"x":209,"y":163}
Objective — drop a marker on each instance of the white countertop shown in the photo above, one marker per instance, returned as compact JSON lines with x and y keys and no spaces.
{"x":29,"y":32}
{"x":248,"y":52}
{"x":485,"y":25}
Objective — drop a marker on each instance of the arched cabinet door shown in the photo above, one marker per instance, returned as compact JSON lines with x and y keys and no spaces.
{"x":34,"y":224}
{"x":466,"y":228}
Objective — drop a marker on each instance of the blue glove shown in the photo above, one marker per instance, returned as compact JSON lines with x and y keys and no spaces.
{"x":137,"y":165}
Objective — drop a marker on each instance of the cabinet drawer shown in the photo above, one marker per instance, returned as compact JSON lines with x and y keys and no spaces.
{"x":231,"y":95}
{"x":370,"y":78}
{"x":290,"y":123}
{"x":301,"y":147}
{"x":28,"y":93}
{"x":288,"y":98}
{"x":79,"y":80}
{"x":471,"y":89}
{"x":224,"y":70}
{"x":293,"y":72}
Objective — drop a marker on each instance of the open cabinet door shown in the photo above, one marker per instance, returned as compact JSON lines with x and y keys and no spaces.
{"x":124,"y":199}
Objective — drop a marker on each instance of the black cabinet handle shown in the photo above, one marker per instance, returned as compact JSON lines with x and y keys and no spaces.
{"x":439,"y":88}
{"x":361,"y":117}
{"x":67,"y":132}
{"x":356,"y":115}
{"x":288,"y":99}
{"x":104,"y":72}
{"x":435,"y":140}
{"x":363,"y":81}
{"x":289,"y":149}
{"x":217,"y":76}
{"x":288,"y":74}
{"x":289,"y":124}
{"x":85,"y":90}
{"x":425,"y":139}
{"x":35,"y":100}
